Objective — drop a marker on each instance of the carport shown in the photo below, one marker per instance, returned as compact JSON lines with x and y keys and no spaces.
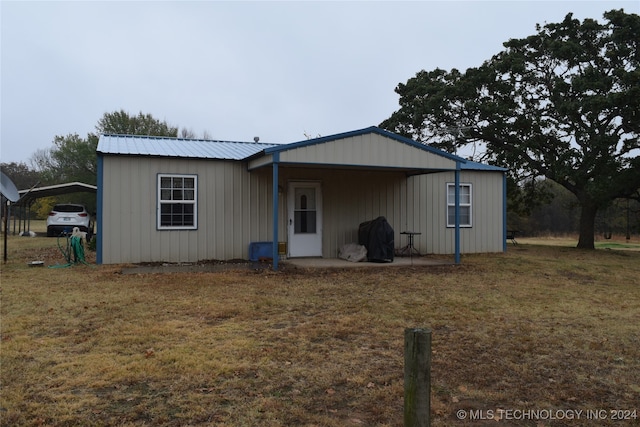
{"x":28,"y":197}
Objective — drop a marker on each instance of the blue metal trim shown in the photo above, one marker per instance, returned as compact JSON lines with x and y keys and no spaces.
{"x":504,"y":212}
{"x":417,"y":171}
{"x":99,"y":205}
{"x":372,"y":129}
{"x":274,"y":248}
{"x":475,"y":166}
{"x":457,"y":209}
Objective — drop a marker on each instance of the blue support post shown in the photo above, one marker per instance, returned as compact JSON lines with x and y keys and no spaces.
{"x":504,"y":212}
{"x":457,"y":209}
{"x":274,"y":249}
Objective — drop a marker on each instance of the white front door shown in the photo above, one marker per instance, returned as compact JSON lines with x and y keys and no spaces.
{"x":305,"y":219}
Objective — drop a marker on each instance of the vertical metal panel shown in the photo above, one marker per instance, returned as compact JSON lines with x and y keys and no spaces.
{"x":436,"y":237}
{"x":367,"y":150}
{"x":260,"y":200}
{"x":350,"y":198}
{"x":224,"y":207}
{"x":235,"y":208}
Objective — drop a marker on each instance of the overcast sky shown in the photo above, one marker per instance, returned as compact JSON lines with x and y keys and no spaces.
{"x":235,"y":70}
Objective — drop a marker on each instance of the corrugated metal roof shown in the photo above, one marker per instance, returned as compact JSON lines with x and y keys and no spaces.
{"x":233,"y":150}
{"x":28,"y":195}
{"x":178,"y":147}
{"x":470,"y":165}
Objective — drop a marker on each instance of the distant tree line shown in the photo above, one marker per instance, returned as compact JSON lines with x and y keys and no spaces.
{"x":73,"y":158}
{"x":560,"y":215}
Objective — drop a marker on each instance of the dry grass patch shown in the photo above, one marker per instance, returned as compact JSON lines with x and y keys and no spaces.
{"x":535,"y":328}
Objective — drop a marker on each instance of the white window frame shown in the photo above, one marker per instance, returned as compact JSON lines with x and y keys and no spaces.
{"x":464,"y":204}
{"x":183,"y":196}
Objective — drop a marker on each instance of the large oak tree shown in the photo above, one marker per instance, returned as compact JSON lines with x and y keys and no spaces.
{"x":563,"y":103}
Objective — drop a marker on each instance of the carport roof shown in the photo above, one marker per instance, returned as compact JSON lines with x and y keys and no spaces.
{"x":27,"y":196}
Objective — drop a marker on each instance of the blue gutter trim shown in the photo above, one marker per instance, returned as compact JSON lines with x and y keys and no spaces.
{"x":457,"y":209}
{"x":372,"y":129}
{"x":99,"y":205}
{"x":417,"y":171}
{"x":274,"y":247}
{"x":504,"y":212}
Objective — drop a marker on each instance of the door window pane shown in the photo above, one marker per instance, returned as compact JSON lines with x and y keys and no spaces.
{"x":304,"y":214}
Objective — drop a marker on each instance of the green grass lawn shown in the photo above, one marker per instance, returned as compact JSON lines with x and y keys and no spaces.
{"x":571,"y":242}
{"x":617,"y":245}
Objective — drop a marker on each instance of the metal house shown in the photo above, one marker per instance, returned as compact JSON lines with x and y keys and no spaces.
{"x":185,"y":200}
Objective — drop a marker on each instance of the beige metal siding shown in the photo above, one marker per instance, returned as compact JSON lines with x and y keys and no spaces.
{"x":260,"y":161}
{"x":234,"y":208}
{"x":350,"y":198}
{"x":429,"y":214}
{"x":367,"y":150}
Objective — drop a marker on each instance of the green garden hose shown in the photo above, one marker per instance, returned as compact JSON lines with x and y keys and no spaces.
{"x":74,"y":247}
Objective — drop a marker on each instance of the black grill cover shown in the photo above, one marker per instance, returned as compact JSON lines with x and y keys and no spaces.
{"x":377,"y":236}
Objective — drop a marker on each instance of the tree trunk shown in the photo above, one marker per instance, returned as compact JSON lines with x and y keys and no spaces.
{"x":587,"y":225}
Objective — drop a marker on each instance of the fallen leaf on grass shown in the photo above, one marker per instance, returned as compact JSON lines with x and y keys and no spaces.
{"x":330,"y":391}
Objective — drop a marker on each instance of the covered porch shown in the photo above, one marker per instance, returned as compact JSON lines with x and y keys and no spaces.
{"x":334,"y":170}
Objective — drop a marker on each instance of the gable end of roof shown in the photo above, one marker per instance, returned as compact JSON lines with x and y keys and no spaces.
{"x":371,"y":129}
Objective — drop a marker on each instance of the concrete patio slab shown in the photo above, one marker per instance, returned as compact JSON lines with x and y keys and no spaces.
{"x":415,"y":261}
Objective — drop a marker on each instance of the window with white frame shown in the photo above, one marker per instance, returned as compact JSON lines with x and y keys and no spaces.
{"x":177,"y":202}
{"x":465,"y":205}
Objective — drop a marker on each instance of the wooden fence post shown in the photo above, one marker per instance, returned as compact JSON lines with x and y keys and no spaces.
{"x":417,"y":377}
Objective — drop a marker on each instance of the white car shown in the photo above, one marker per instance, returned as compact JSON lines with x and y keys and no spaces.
{"x":63,"y":217}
